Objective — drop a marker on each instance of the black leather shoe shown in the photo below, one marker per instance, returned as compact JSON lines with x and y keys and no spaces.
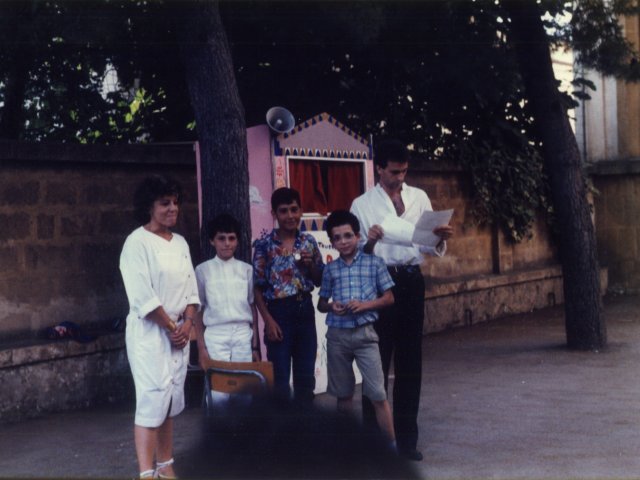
{"x":412,"y":454}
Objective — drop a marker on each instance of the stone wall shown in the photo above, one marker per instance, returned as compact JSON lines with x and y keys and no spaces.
{"x":62,"y":376}
{"x":617,"y":214}
{"x":476,"y":250}
{"x":65,"y":211}
{"x":483,"y":275}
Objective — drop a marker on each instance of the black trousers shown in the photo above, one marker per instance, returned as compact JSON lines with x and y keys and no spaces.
{"x":400,"y":330}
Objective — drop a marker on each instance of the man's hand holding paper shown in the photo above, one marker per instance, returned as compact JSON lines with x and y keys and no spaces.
{"x":431,"y":229}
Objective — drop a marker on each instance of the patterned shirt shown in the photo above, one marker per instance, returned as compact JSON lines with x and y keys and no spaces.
{"x":275,"y":269}
{"x":365,"y":279}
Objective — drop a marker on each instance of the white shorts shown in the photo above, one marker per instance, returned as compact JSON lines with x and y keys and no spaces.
{"x":230,"y":342}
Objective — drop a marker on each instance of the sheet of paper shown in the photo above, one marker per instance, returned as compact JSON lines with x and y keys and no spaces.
{"x":423,"y":232}
{"x":397,"y":231}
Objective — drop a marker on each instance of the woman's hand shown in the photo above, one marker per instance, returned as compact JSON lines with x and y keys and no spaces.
{"x":181,"y":335}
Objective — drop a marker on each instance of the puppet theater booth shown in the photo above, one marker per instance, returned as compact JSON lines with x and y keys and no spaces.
{"x":324,"y":160}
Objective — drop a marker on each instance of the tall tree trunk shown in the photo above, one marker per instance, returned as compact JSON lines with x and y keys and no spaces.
{"x":583,"y":304}
{"x":219,"y":117}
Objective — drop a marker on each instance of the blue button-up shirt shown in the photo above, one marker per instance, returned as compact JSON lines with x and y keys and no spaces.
{"x":365,"y":279}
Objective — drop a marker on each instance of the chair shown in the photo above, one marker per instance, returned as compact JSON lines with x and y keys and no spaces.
{"x":254,"y":378}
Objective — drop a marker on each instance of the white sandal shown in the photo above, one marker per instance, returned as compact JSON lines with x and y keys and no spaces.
{"x":160,"y":466}
{"x":148,"y":474}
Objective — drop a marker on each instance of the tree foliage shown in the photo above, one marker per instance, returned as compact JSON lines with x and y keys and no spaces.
{"x":65,"y":50}
{"x":441,"y":75}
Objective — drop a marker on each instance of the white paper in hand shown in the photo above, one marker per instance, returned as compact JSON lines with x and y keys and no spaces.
{"x":423,"y":231}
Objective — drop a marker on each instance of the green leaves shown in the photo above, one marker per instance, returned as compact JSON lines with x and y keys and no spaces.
{"x":438,"y":74}
{"x":68,"y":48}
{"x":509,"y":186}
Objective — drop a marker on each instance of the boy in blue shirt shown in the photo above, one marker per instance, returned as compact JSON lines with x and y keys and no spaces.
{"x":359,"y":285}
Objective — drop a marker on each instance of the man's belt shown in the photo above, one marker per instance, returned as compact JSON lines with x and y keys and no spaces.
{"x":406,"y":269}
{"x":299,"y":297}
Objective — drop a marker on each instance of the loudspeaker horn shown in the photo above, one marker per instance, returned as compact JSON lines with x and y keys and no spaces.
{"x":280,"y":120}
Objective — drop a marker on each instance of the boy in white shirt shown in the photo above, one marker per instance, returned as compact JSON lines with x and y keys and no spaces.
{"x":227,"y":326}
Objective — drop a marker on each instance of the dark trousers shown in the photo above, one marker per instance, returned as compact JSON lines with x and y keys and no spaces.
{"x":296,"y":318}
{"x":400,"y":330}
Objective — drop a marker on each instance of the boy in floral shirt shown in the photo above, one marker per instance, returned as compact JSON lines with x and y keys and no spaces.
{"x":287,"y":265}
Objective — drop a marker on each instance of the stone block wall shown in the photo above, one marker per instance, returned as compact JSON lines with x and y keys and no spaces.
{"x":466,"y":302}
{"x":63,"y":375}
{"x":65,"y":211}
{"x":483,"y":275}
{"x":476,"y":250}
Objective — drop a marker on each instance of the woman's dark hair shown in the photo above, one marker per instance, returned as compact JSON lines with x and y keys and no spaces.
{"x":223,"y":223}
{"x":151,"y":189}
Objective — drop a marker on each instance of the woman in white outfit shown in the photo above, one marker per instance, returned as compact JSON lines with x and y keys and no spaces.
{"x":163,"y":298}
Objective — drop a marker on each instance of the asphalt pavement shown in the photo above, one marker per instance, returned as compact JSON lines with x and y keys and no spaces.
{"x":500,"y":400}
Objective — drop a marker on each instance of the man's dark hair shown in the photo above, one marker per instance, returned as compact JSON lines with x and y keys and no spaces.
{"x":342,"y":217}
{"x":284,"y":196}
{"x":148,"y":191}
{"x":390,"y":150}
{"x":223,"y":223}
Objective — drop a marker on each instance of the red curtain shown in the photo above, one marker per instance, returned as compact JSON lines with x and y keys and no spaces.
{"x":306,"y":177}
{"x":344,"y":184}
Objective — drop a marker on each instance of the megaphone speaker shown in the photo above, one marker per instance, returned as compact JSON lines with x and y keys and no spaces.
{"x":280,"y":120}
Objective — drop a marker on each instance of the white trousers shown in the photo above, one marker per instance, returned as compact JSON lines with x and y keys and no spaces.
{"x":229,"y":342}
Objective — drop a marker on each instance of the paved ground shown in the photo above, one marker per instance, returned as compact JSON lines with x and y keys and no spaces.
{"x":500,"y":400}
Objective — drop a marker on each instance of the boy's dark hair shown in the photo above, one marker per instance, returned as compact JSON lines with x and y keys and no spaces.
{"x":284,"y":196}
{"x":148,"y":191}
{"x":390,"y":150}
{"x":342,"y":217}
{"x":223,"y":223}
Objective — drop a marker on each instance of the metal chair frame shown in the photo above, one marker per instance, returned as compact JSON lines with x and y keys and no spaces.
{"x":237,"y":385}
